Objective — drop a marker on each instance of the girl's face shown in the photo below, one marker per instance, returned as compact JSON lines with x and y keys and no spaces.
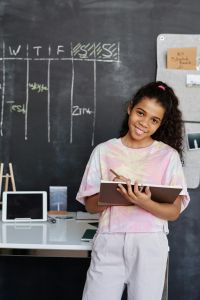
{"x":144,"y":119}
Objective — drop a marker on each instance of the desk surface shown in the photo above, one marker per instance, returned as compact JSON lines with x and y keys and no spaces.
{"x":62,"y":235}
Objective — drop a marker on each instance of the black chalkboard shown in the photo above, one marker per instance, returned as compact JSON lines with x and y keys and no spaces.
{"x":63,"y":85}
{"x":67,"y":69}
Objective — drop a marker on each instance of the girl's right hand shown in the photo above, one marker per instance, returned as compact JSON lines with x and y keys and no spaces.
{"x":120,"y":178}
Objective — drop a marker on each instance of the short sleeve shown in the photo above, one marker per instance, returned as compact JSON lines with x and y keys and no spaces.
{"x":178,"y":178}
{"x":91,"y":180}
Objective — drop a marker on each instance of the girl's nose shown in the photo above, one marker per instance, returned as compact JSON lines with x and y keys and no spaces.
{"x":144,"y":123}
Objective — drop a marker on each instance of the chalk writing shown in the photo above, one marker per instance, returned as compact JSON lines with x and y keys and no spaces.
{"x":98,"y":51}
{"x":14,"y":51}
{"x":78,"y":111}
{"x":38,"y":87}
{"x":80,"y":51}
{"x":18,"y":108}
{"x":92,"y":53}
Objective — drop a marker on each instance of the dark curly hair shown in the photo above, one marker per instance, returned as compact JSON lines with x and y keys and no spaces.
{"x":171,"y":130}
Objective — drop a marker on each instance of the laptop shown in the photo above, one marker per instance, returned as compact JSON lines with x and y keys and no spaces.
{"x":24,"y":206}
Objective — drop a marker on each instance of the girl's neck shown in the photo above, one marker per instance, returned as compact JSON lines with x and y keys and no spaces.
{"x":128,"y":142}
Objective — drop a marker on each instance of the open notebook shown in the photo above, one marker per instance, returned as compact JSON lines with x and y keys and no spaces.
{"x":159,"y":193}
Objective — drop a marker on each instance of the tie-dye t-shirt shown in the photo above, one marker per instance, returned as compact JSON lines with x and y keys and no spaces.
{"x":155,"y":164}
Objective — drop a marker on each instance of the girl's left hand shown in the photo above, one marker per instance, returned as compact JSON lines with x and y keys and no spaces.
{"x":134,"y":195}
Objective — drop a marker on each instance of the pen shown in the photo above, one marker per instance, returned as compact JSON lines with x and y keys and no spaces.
{"x":117,"y":175}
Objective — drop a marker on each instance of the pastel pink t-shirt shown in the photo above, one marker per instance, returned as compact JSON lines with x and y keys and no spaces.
{"x":155,"y":164}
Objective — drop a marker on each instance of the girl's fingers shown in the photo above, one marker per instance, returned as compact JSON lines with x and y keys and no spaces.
{"x":123,"y":178}
{"x":136,"y":188}
{"x":129,"y":187}
{"x":120,"y":178}
{"x":121,"y":188}
{"x":127,"y":190}
{"x":116,"y":178}
{"x":148,"y":191}
{"x":123,"y":191}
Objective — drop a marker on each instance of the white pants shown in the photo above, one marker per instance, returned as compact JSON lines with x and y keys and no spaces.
{"x":136,"y":259}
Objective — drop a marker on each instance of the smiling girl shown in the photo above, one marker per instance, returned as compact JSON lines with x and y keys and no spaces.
{"x":131,"y":246}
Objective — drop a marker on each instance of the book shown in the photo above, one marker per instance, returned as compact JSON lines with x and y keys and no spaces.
{"x":159,"y":193}
{"x":88,"y":235}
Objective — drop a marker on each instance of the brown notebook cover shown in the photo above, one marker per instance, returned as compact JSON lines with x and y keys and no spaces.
{"x":159,"y":193}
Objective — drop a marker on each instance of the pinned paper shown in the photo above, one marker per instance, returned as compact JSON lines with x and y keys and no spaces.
{"x":181,"y":58}
{"x":193,"y":80}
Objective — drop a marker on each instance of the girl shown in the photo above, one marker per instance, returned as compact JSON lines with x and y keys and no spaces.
{"x":131,"y":246}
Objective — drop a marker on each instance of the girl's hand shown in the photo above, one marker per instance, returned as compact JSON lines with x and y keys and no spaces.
{"x":135,"y":196}
{"x":163,"y":211}
{"x":120,"y":178}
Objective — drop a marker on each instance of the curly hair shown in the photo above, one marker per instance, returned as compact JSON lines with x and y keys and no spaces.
{"x":171,"y":130}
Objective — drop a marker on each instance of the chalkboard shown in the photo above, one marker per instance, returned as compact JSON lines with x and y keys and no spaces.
{"x":62,"y":87}
{"x":67,"y":69}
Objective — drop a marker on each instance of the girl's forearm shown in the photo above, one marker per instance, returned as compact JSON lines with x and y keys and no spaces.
{"x":91,"y":204}
{"x":164,"y":211}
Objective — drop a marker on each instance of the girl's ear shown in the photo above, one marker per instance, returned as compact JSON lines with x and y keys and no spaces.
{"x":129,"y":109}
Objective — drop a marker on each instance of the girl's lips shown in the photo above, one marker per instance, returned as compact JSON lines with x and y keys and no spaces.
{"x":139,"y":131}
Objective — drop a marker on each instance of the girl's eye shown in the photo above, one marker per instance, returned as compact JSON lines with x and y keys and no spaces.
{"x":155,"y":121}
{"x":140,"y":113}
